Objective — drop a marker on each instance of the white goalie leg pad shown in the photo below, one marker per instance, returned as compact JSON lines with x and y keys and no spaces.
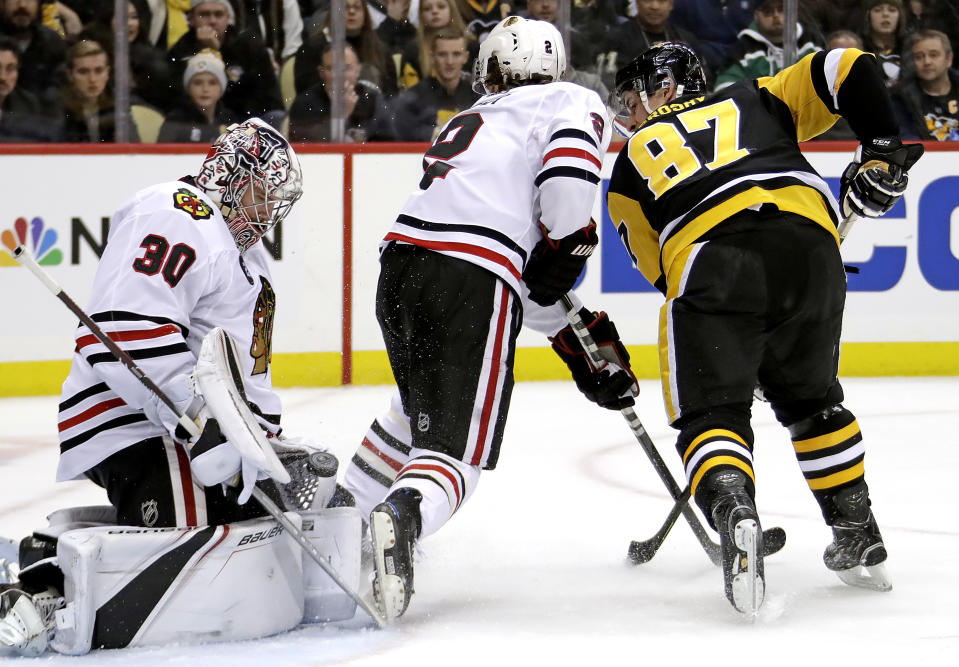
{"x":336,"y":533}
{"x":128,"y":586}
{"x":220,"y":381}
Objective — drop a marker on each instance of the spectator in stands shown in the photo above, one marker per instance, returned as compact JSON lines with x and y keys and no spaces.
{"x":433,"y":16}
{"x":916,"y":15}
{"x":715,"y":24}
{"x":594,"y":19}
{"x":481,"y":16}
{"x":367,"y":115}
{"x":828,"y":16}
{"x":361,"y":35}
{"x":165,"y":22}
{"x":928,"y":101}
{"x":21,"y":114}
{"x":149,"y":67}
{"x":583,"y":52}
{"x":883,"y":33}
{"x":200,"y":116}
{"x":278,"y":23}
{"x":87,"y":98}
{"x":651,"y":25}
{"x":396,"y":31}
{"x":841,"y":39}
{"x":42,"y":52}
{"x":61,"y":19}
{"x":252,"y":87}
{"x":759,"y":49}
{"x":943,"y":15}
{"x":424,"y":109}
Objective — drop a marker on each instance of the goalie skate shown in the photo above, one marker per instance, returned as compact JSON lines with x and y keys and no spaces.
{"x":27,"y":621}
{"x":9,"y":556}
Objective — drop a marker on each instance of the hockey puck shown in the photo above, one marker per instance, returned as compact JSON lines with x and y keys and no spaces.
{"x":323,"y":464}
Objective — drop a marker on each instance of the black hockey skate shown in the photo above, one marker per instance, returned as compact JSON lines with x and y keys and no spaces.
{"x":394,"y":526}
{"x":741,"y":538}
{"x":27,"y":621}
{"x":857,"y":552}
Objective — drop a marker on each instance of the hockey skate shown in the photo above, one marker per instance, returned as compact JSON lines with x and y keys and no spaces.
{"x":394,"y":527}
{"x":27,"y":621}
{"x":857,"y":553}
{"x":741,"y":540}
{"x":8,"y":560}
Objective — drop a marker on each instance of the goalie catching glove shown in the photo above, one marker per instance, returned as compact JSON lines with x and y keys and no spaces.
{"x":876,"y":178}
{"x":554,"y":266}
{"x":231,"y":446}
{"x":613,"y":384}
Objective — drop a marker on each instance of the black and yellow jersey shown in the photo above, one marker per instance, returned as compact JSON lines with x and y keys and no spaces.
{"x":700,"y":159}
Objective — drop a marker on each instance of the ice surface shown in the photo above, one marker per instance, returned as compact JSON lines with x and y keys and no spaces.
{"x":533,"y":567}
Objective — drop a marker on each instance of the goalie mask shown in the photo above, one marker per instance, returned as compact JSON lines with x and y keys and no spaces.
{"x":253,"y":175}
{"x":655,"y":69}
{"x":517,"y":52}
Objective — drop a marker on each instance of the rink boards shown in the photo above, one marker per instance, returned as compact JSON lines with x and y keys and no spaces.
{"x":901,"y":316}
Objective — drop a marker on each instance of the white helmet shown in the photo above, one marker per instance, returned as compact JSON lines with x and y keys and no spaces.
{"x":251,"y":157}
{"x":519,"y":51}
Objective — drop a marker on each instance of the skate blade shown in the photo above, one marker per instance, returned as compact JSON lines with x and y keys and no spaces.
{"x":871,"y":577}
{"x":389,"y":593}
{"x":748,"y":587}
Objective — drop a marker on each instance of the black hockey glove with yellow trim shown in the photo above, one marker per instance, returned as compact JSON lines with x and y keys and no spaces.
{"x":876,"y":178}
{"x":611,"y":386}
{"x":554,"y":266}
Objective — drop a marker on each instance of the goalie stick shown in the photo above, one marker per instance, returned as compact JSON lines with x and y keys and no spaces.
{"x":25,"y":259}
{"x":642,"y":552}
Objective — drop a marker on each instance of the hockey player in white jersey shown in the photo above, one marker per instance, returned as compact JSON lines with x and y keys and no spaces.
{"x":181,"y":258}
{"x":498,"y":230}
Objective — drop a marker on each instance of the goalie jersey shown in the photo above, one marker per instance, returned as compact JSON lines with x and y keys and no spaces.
{"x":500,"y":169}
{"x":698,"y":160}
{"x":170,"y":272}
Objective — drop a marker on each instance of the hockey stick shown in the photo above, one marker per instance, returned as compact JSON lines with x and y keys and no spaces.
{"x":586,"y":340}
{"x":643,"y":551}
{"x":26,"y":260}
{"x":846,"y":226}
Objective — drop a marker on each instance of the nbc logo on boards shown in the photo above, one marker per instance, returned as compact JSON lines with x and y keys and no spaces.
{"x":41,"y":242}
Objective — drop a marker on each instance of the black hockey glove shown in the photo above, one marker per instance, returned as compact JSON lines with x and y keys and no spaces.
{"x":876,"y":178}
{"x":612,"y":386}
{"x":554,"y":266}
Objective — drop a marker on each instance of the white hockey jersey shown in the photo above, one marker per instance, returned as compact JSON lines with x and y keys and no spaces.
{"x":512,"y":161}
{"x":170,"y":272}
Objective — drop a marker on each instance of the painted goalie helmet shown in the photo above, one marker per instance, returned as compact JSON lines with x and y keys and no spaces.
{"x":517,"y":52}
{"x":253,"y":175}
{"x":657,"y":68}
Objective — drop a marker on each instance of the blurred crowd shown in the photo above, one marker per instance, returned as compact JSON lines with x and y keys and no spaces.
{"x":197,"y":66}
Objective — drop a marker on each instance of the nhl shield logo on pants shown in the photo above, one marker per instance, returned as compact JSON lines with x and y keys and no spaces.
{"x":149,"y":512}
{"x":423,"y":422}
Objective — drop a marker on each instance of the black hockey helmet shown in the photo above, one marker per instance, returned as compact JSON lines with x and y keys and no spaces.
{"x":657,"y":66}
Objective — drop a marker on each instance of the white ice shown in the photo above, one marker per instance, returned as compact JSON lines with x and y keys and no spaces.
{"x":533,"y":567}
